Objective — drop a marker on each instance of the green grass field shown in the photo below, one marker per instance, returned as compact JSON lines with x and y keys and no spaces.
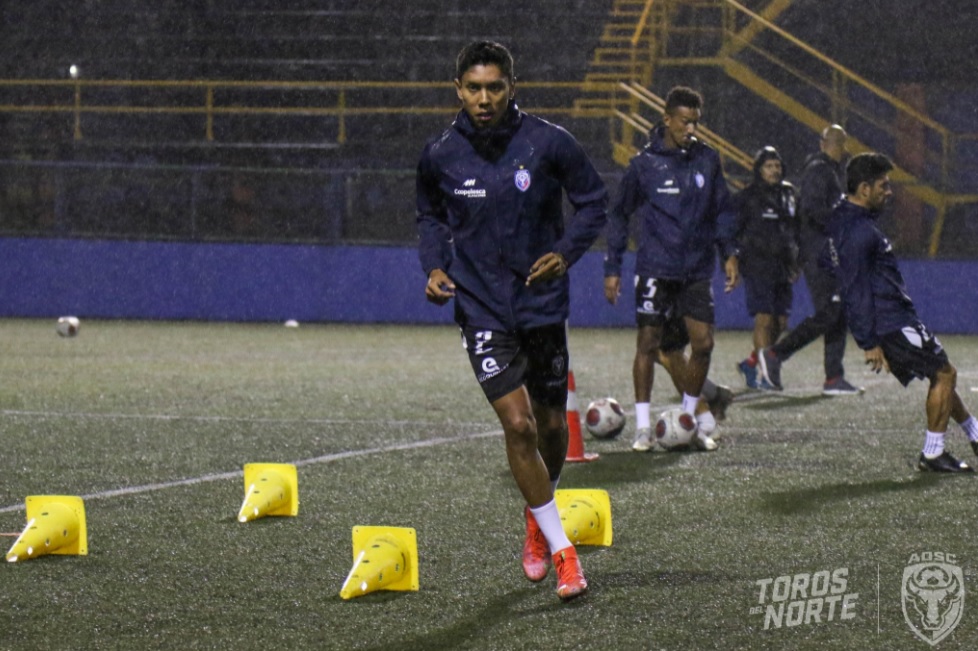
{"x":152,"y":422}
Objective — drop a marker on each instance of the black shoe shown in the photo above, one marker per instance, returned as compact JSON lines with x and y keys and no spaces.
{"x":974,"y":446}
{"x":770,"y":368}
{"x":943,"y":463}
{"x":722,"y":400}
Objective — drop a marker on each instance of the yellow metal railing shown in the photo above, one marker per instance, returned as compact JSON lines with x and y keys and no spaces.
{"x":835,"y":84}
{"x":728,"y":152}
{"x":797,"y":70}
{"x":83,"y":98}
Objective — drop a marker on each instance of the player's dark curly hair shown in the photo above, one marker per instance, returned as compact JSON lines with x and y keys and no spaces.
{"x":868,"y":167}
{"x":683,"y":96}
{"x":485,"y":53}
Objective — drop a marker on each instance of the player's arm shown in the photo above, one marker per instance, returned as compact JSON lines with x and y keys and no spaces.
{"x":626,"y":202}
{"x":726,"y":232}
{"x":612,"y":288}
{"x":587,"y":194}
{"x":876,"y":360}
{"x":852,"y":261}
{"x":435,"y":238}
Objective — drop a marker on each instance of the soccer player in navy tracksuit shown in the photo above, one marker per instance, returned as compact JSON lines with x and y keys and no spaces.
{"x":881,"y":316}
{"x":767,"y":233}
{"x":677,"y":188}
{"x":492,"y":236}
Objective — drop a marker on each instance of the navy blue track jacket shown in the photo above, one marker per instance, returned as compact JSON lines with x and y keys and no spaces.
{"x":870,"y":282}
{"x":682,"y":200}
{"x":489,"y":205}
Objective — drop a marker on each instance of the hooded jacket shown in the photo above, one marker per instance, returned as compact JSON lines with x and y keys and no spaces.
{"x":682,"y":202}
{"x":767,"y":227}
{"x":870,"y":283}
{"x":489,"y":205}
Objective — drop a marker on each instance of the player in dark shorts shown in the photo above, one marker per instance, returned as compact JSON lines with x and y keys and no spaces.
{"x":676,"y":190}
{"x":881,"y":316}
{"x":494,"y":241}
{"x":767,"y":232}
{"x":714,"y":398}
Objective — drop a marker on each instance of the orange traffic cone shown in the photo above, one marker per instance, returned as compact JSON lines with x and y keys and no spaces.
{"x":575,"y":443}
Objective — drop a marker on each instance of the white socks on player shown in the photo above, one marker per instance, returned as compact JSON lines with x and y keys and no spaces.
{"x":689,"y":403}
{"x":548,"y":518}
{"x":706,"y":423}
{"x":934,"y":444}
{"x":642,"y":418}
{"x":970,"y":428}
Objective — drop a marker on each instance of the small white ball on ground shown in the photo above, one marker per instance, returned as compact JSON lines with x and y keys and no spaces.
{"x":68,"y":326}
{"x":291,"y":323}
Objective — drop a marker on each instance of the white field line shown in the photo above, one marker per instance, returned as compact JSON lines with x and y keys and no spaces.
{"x":326,"y":458}
{"x":218,"y":419}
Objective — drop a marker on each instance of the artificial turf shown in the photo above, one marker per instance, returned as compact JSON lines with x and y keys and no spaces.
{"x":152,"y":422}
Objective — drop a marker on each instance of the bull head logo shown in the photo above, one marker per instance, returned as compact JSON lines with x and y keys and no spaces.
{"x":933,"y":599}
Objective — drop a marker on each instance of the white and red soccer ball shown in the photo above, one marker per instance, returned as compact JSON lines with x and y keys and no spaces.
{"x":675,"y":429}
{"x":604,"y":418}
{"x":68,"y":326}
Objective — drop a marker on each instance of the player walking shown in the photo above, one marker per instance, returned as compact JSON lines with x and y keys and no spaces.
{"x":767,"y":232}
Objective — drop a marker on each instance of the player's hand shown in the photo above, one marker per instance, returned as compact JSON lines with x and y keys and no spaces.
{"x":732,"y":270}
{"x":549,"y":266}
{"x":440,"y":288}
{"x":876,"y":360}
{"x":612,"y":288}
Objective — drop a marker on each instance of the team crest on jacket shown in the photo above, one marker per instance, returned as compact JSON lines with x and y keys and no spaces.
{"x":522,"y":179}
{"x":700,"y":181}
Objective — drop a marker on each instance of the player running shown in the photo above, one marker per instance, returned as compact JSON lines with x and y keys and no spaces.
{"x":489,"y":213}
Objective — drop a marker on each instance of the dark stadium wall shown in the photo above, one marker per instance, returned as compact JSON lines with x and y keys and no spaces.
{"x":46,"y":278}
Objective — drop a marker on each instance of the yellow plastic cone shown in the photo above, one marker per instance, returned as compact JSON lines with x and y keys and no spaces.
{"x":585,"y":515}
{"x":55,"y":525}
{"x":384,"y":558}
{"x":270,"y":489}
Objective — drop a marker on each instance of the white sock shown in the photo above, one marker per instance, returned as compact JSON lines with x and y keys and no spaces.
{"x":689,"y":403}
{"x":970,"y":428}
{"x":642,"y":418}
{"x":548,"y":518}
{"x":706,"y":423}
{"x":934,"y":444}
{"x":709,"y":390}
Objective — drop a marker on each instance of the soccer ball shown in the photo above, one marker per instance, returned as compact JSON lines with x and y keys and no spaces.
{"x":675,"y":429}
{"x":604,"y":418}
{"x":68,"y":326}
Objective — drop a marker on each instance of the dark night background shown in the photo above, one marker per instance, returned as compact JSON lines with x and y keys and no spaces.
{"x":911,"y":48}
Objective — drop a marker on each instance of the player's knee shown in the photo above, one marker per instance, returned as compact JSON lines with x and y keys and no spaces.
{"x":702,"y":346}
{"x":520,"y":425}
{"x":947,"y":376}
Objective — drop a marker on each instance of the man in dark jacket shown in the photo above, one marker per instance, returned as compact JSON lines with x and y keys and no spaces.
{"x":821,"y":190}
{"x":492,"y":236}
{"x":767,"y":232}
{"x":676,"y":187}
{"x":881,"y":315}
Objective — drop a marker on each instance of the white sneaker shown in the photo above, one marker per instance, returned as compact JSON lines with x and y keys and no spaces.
{"x":643,"y":440}
{"x":706,"y":426}
{"x":704,"y":442}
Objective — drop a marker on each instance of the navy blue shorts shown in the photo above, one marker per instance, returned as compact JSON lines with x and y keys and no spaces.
{"x":659,"y":301}
{"x":674,"y":335}
{"x":535,"y":358}
{"x":913,"y":352}
{"x":767,"y":296}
